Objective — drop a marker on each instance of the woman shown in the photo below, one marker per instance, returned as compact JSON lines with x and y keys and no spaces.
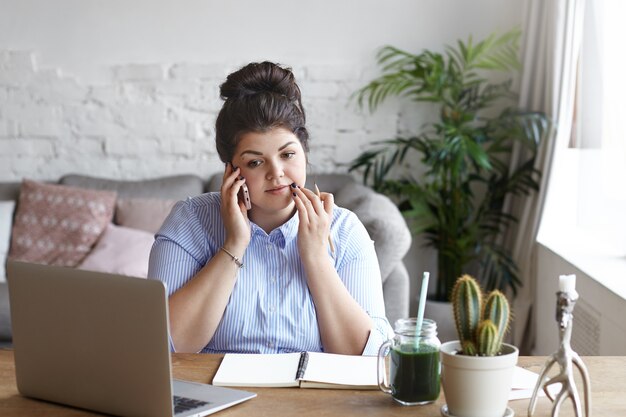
{"x":265,"y":279}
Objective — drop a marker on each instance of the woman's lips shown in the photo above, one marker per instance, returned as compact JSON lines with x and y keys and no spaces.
{"x":278,"y":190}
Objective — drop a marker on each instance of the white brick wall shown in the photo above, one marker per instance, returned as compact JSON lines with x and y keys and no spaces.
{"x":158,"y":119}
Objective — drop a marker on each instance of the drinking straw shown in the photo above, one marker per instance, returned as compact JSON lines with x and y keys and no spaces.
{"x":420,"y":308}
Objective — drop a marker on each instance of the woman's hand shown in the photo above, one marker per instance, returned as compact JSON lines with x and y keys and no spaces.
{"x":315,"y":215}
{"x":234,"y":212}
{"x":344,"y":325}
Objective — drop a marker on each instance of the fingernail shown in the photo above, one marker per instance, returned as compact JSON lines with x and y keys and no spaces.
{"x":294,"y":194}
{"x":293,"y":185}
{"x":240,"y":177}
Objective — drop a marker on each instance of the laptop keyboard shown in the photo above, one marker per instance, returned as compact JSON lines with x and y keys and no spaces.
{"x":182,"y":404}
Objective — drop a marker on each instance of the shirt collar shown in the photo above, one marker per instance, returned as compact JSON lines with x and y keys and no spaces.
{"x":283,"y":234}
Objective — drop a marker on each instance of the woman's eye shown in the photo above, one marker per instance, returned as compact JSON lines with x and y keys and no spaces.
{"x":254,"y":163}
{"x":289,"y":155}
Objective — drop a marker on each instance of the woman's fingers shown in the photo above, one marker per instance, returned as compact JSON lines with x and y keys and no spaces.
{"x":311,"y":200}
{"x":312,"y":208}
{"x":231,"y":184}
{"x":329,"y":201}
{"x":234,"y":213}
{"x":314,"y":213}
{"x":230,"y":174}
{"x":303,"y":213}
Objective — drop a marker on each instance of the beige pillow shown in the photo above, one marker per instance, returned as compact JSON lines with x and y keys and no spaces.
{"x":143,"y":213}
{"x":57,"y":224}
{"x":121,"y":250}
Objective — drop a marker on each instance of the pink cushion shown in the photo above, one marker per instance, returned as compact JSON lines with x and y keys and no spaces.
{"x":143,"y":213}
{"x":57,"y":224}
{"x":121,"y":250}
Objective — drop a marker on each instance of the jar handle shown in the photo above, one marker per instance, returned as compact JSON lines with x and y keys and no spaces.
{"x":381,"y":369}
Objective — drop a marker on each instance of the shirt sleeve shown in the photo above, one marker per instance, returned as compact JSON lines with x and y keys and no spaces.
{"x":180,"y":248}
{"x":359,"y":270}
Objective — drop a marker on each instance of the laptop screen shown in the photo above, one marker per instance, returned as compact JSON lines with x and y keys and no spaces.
{"x":91,"y":340}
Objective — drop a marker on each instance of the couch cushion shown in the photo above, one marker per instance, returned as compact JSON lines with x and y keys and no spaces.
{"x":6,"y":220}
{"x":383,"y":221}
{"x":142,"y":213}
{"x":329,"y":183}
{"x":58,"y":225}
{"x":121,"y":250}
{"x":177,"y":187}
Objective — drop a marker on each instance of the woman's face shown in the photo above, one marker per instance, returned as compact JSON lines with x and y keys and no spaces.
{"x":270,"y":162}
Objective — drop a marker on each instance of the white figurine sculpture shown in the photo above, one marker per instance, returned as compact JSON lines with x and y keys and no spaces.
{"x":565,"y":356}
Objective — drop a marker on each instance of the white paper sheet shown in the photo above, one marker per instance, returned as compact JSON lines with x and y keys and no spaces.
{"x":524,"y":383}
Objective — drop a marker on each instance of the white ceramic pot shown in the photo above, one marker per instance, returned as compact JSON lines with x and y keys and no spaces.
{"x":477,"y":386}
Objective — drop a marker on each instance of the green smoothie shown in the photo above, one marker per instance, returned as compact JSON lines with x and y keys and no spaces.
{"x":414,"y":373}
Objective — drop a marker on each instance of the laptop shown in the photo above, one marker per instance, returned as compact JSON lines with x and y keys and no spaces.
{"x":100,"y":342}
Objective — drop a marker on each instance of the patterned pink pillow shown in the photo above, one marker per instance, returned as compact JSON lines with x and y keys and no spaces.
{"x":57,"y":224}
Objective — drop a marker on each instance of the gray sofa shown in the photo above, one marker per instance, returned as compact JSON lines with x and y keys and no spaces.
{"x":380,"y":216}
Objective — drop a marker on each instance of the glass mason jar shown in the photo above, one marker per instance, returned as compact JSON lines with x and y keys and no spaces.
{"x":413,"y":362}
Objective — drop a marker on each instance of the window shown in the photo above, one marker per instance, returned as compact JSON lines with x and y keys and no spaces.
{"x":585,"y":212}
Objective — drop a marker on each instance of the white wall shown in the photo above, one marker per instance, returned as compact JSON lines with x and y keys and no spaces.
{"x":86,"y":37}
{"x":128,"y":89}
{"x":599,"y":327}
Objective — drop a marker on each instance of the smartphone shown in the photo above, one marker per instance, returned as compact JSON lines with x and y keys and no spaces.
{"x":244,"y":195}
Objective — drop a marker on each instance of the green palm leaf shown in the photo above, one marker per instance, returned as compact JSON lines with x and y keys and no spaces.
{"x":457,"y":203}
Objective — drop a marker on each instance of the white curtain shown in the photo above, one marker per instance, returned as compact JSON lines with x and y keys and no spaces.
{"x":551,"y":41}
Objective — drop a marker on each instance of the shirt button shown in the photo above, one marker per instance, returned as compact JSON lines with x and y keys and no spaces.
{"x":273,"y":279}
{"x":270,"y":344}
{"x":272,"y":309}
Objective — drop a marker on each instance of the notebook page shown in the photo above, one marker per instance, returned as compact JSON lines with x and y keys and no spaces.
{"x":258,"y":370}
{"x":341,"y":369}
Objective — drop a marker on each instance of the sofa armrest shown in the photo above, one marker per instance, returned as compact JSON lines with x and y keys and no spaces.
{"x":396,"y":294}
{"x":382,"y":219}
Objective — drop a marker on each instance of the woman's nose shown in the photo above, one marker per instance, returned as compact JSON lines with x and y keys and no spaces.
{"x":275,"y":171}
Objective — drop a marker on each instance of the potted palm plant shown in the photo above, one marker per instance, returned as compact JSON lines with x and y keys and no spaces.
{"x":458,"y":203}
{"x":477,"y":370}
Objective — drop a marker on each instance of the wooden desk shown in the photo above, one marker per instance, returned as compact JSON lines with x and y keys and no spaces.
{"x":608,"y":383}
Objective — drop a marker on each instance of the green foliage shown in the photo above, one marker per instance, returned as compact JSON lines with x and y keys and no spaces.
{"x":481,"y":327}
{"x":457,"y":204}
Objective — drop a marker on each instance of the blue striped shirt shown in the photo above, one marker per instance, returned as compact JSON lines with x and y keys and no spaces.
{"x":270,"y":309}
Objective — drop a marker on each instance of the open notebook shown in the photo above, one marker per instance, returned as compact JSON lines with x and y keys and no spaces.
{"x":300,"y":369}
{"x":325,"y":370}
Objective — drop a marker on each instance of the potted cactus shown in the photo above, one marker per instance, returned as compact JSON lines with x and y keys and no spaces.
{"x":477,"y":369}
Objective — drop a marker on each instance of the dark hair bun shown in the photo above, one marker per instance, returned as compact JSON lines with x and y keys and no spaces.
{"x":263,"y":77}
{"x":259,"y":96}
